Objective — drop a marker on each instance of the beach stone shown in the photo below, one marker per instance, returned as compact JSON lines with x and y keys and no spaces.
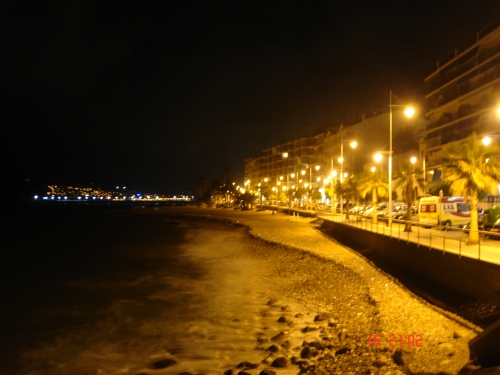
{"x":308,"y":369}
{"x":262,"y":339}
{"x":308,"y":329}
{"x":280,"y":336}
{"x":446,"y":348}
{"x":342,"y":350}
{"x":244,"y":373}
{"x":309,"y":352}
{"x":333,"y":323}
{"x":272,"y":302}
{"x":164,"y":363}
{"x":280,"y":362}
{"x":267,"y":372}
{"x":286,"y":345}
{"x":320,"y":317}
{"x":273,"y":348}
{"x":268,"y":360}
{"x":285,"y":308}
{"x":247,"y":365}
{"x":285,"y":319}
{"x":299,"y":315}
{"x":403,"y":356}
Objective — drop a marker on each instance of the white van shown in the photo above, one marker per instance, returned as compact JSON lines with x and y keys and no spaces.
{"x":446,"y":211}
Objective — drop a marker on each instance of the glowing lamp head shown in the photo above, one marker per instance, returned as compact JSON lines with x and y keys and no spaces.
{"x":409,"y":112}
{"x":378,"y":157}
{"x":354,"y":144}
{"x":486,"y":140}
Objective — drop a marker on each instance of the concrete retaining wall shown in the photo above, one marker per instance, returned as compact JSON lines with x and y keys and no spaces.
{"x":468,"y":276}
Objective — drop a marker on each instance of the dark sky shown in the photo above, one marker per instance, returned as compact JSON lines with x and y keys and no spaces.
{"x":155,"y":94}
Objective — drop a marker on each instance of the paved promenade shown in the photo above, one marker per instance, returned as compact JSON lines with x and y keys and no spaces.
{"x":452,"y":240}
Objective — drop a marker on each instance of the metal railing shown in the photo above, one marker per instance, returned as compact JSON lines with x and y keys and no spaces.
{"x":436,"y":237}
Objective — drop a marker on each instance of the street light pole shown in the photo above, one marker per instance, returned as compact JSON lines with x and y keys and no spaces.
{"x":408,"y":112}
{"x":341,"y":172}
{"x":389,"y":220}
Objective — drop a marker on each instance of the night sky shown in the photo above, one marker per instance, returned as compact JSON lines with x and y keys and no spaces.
{"x":155,"y":94}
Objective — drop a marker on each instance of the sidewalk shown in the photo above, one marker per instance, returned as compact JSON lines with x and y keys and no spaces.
{"x":453,"y":240}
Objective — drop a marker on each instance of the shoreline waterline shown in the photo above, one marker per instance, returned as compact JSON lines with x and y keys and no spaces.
{"x":219,"y":314}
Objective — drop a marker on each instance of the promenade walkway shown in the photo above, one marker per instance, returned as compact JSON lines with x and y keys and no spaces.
{"x":452,"y":240}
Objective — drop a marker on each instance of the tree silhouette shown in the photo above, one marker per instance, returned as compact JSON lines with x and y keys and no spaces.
{"x":408,"y":177}
{"x":472,"y":168}
{"x":375,"y":183}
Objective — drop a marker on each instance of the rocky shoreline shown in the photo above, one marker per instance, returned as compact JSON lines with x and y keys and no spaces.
{"x":365,"y":321}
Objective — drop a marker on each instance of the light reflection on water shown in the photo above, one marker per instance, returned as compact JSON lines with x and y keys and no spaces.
{"x":206,"y":316}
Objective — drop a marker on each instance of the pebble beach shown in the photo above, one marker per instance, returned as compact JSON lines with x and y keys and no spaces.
{"x":359,"y":320}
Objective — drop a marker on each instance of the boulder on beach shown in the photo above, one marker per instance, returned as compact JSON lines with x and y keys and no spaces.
{"x":164,"y":363}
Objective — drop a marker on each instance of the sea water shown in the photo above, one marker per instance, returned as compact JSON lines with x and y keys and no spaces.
{"x":92,"y":293}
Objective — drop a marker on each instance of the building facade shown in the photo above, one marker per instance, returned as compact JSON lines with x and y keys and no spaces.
{"x":462,"y":97}
{"x":313,"y":161}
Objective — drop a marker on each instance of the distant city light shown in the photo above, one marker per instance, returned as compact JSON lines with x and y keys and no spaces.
{"x":36,"y":196}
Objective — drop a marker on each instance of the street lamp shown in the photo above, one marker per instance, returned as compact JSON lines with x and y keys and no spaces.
{"x":353,"y":144}
{"x":333,"y":181}
{"x":408,"y":112}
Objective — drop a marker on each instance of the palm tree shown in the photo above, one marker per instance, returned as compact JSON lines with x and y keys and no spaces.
{"x":247,"y":199}
{"x":375,"y":183}
{"x":472,"y":168}
{"x":348,"y":189}
{"x":408,"y":177}
{"x":407,"y":138}
{"x":227,"y":183}
{"x":263,"y":189}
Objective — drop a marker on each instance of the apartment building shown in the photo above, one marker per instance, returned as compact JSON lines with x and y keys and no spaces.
{"x":288,"y":163}
{"x":462,"y":96}
{"x":309,"y":161}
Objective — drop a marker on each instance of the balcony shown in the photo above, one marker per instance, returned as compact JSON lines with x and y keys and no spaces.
{"x":476,"y":80}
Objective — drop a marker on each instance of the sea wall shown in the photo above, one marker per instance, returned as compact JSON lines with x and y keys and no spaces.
{"x":469,"y":276}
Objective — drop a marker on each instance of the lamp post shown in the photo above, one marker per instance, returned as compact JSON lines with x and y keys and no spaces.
{"x":333,"y":182}
{"x":341,"y":161}
{"x":408,"y":112}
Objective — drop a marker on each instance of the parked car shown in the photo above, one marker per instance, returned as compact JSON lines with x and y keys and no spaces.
{"x":396,"y":211}
{"x":402,"y":215}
